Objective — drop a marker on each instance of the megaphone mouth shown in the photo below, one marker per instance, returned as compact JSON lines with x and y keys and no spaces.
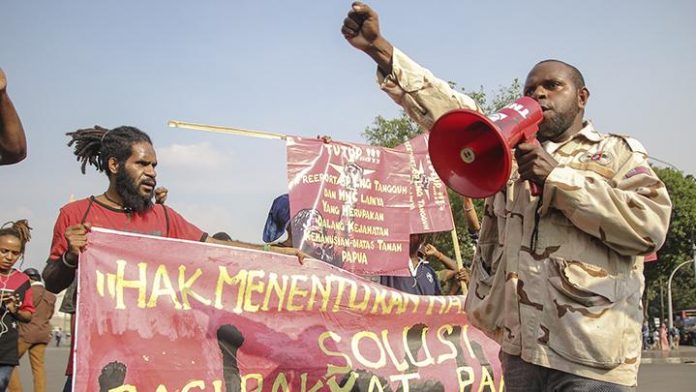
{"x":469,"y":153}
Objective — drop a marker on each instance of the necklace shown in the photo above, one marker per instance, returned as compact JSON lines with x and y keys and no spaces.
{"x":125,"y":209}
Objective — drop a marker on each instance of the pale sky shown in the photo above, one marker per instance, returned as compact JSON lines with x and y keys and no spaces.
{"x":284,"y":67}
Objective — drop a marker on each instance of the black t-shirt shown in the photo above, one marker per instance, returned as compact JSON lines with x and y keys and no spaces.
{"x":423,"y":283}
{"x":17,"y":282}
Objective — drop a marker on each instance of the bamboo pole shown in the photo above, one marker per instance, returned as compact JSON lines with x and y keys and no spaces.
{"x":458,"y":254}
{"x":227,"y":130}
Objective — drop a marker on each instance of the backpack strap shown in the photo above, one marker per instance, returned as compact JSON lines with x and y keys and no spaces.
{"x":166,"y":220}
{"x":89,"y":207}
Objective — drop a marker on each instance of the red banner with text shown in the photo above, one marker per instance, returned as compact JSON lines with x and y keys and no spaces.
{"x":168,"y":315}
{"x":355,"y":205}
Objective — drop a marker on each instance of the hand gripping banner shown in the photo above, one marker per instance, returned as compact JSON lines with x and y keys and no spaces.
{"x":355,"y":205}
{"x":163,"y":315}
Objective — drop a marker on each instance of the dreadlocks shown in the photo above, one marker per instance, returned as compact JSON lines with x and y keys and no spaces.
{"x":19,"y":229}
{"x":96,"y":145}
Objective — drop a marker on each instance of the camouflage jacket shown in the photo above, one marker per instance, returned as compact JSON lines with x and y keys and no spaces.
{"x":558,"y":279}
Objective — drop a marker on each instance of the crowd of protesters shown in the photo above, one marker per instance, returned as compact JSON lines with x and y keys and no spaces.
{"x":557,"y":277}
{"x":131,"y":202}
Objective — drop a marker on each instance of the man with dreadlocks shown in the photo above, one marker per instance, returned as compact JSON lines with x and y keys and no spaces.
{"x":13,"y":143}
{"x":126,"y":155}
{"x":16,"y":302}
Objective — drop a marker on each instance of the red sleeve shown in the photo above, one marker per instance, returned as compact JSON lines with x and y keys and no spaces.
{"x":182,"y":229}
{"x":28,"y":300}
{"x":59,"y":245}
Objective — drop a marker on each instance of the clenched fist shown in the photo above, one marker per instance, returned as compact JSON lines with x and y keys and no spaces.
{"x":3,"y":81}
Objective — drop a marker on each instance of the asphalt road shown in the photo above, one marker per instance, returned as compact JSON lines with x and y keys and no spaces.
{"x":652,"y":377}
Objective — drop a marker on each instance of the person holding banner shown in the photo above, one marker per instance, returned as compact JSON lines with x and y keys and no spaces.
{"x":305,"y":221}
{"x":126,"y":155}
{"x":35,"y":335}
{"x":557,"y":278}
{"x":423,"y":279}
{"x":13,"y":142}
{"x":451,"y":278}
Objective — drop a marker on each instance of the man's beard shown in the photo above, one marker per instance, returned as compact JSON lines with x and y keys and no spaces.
{"x":555,"y":126}
{"x":128,"y":190}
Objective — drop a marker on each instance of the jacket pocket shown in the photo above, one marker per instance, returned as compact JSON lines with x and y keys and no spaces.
{"x":486,"y":262}
{"x":582,"y":314}
{"x":484,"y":300}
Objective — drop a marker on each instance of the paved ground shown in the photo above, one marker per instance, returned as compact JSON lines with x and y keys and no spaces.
{"x":659,"y":372}
{"x":684,"y":354}
{"x":56,"y":358}
{"x":667,"y":377}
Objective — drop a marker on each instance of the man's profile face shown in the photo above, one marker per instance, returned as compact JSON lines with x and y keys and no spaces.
{"x":552,"y":85}
{"x":136,"y":177}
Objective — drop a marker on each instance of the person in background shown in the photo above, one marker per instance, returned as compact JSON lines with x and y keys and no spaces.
{"x":35,"y":335}
{"x":58,"y":333}
{"x":674,"y":337}
{"x":423,"y":279}
{"x":298,"y":231}
{"x":16,"y":300}
{"x":451,"y":278}
{"x":664,"y":338}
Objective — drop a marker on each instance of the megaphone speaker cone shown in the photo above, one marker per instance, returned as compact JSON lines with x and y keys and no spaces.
{"x":469,"y":153}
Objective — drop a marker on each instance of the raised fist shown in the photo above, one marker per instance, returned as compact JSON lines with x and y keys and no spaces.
{"x":361,"y":26}
{"x":3,"y":81}
{"x":161,"y":194}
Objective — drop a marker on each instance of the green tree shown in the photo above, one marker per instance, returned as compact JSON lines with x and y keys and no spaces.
{"x":393,"y":132}
{"x":677,"y":248}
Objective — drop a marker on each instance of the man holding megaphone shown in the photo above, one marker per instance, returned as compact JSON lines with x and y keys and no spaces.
{"x":558,"y":274}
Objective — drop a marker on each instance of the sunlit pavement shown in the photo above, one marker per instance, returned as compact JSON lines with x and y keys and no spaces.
{"x":659,"y":372}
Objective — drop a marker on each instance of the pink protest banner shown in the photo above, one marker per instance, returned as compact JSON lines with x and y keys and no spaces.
{"x":430,"y":209}
{"x":168,"y":315}
{"x":355,"y":205}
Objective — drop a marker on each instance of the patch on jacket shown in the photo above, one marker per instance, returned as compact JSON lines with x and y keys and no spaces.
{"x":637,"y":170}
{"x":601,"y":157}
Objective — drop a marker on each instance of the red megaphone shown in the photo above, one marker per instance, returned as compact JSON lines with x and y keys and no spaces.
{"x":472,"y":153}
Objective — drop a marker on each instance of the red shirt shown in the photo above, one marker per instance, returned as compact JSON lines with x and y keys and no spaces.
{"x":158,"y":221}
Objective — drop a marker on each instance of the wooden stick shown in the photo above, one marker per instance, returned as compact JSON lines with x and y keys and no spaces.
{"x":458,"y":254}
{"x":227,"y":130}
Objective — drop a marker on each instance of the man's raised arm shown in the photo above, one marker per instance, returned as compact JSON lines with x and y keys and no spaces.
{"x":423,"y":96}
{"x":361,"y":29}
{"x":13,"y":143}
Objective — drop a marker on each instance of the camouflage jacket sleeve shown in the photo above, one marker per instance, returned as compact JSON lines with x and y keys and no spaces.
{"x":614,"y":196}
{"x":423,"y":96}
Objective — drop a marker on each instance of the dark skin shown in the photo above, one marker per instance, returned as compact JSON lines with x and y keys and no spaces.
{"x":10,"y":252}
{"x":13,"y":142}
{"x":563,"y":103}
{"x":140,"y":167}
{"x":461,"y":274}
{"x":550,"y":83}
